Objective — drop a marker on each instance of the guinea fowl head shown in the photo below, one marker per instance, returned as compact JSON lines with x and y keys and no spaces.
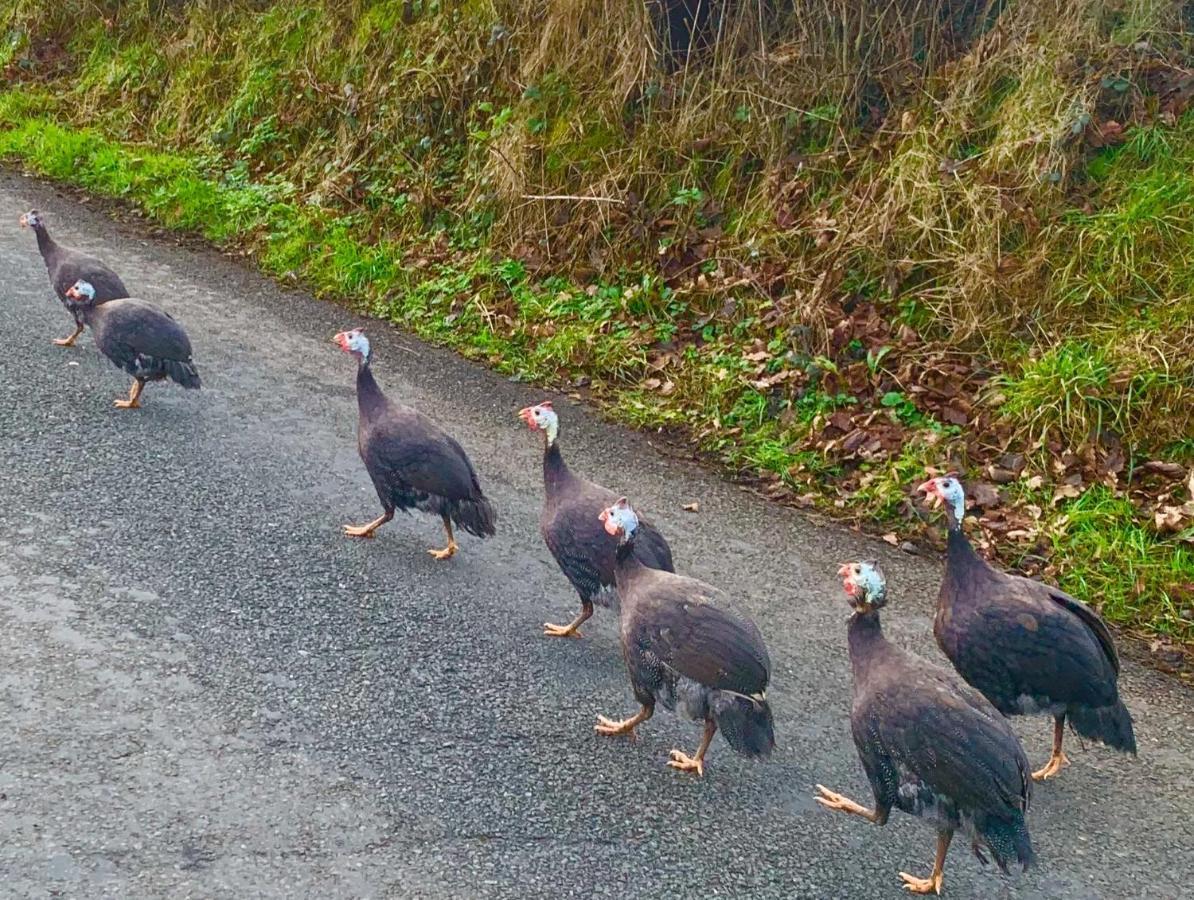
{"x":620,"y":520}
{"x":542,"y":418}
{"x":865,"y":585}
{"x":354,"y":342}
{"x":31,"y":219}
{"x":949,"y":491}
{"x":81,"y":291}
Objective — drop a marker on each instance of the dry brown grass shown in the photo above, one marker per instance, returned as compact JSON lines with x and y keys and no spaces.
{"x":922,"y":152}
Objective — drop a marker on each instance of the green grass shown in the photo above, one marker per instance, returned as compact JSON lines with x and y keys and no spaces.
{"x":1121,"y":566}
{"x":1061,"y":394}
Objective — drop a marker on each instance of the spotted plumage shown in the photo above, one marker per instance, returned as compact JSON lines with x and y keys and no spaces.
{"x":931,"y":746}
{"x":66,"y":267}
{"x":687,"y":649}
{"x":413,"y":463}
{"x":571,"y":528}
{"x":139,"y":338}
{"x":1028,"y":647}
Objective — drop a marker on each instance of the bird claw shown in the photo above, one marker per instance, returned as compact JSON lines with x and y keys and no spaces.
{"x":359,"y":531}
{"x":685,"y":763}
{"x":447,"y":553}
{"x":838,"y":802}
{"x":127,"y":404}
{"x":63,"y":342}
{"x":921,"y":885}
{"x":830,"y":799}
{"x":612,"y":727}
{"x":1052,"y":768}
{"x":560,"y":630}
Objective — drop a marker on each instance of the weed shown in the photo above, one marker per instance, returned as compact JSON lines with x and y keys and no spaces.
{"x":1121,"y":566}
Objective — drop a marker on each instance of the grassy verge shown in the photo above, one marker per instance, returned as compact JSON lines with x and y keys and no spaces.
{"x":820,"y":300}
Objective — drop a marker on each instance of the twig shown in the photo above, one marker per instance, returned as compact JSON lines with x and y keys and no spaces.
{"x":571,"y":197}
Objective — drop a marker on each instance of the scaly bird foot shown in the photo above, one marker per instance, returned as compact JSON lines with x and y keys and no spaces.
{"x":63,"y":342}
{"x":127,"y":404}
{"x":447,"y":553}
{"x":685,"y":763}
{"x":610,"y":727}
{"x":1052,"y":767}
{"x":361,"y":531}
{"x":830,"y":800}
{"x":560,"y":630}
{"x":916,"y":885}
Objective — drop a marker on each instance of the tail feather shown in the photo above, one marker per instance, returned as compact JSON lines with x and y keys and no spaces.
{"x":746,"y":723}
{"x":184,"y":373}
{"x":1110,"y":725}
{"x":477,"y":517}
{"x":1007,"y":839}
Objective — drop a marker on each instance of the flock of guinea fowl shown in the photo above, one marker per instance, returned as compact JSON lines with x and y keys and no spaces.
{"x":934,"y":745}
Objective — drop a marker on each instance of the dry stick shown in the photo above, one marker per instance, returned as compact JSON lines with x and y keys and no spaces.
{"x":571,"y":197}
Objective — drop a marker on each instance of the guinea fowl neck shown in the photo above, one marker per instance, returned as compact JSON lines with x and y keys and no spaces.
{"x":555,"y":470}
{"x":626,"y":563}
{"x":866,"y":641}
{"x":369,"y":395}
{"x":85,"y":310}
{"x":45,"y":243}
{"x":959,"y":552}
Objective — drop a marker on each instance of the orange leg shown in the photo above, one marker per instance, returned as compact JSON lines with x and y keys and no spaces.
{"x":1058,"y":760}
{"x":932,"y":884}
{"x":570,"y":630}
{"x":366,"y":531}
{"x":830,"y":800}
{"x":134,"y":401}
{"x":609,"y":727}
{"x":686,"y":763}
{"x":70,"y":341}
{"x":449,"y":551}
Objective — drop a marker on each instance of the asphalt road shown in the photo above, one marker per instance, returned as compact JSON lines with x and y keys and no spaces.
{"x":209,"y":692}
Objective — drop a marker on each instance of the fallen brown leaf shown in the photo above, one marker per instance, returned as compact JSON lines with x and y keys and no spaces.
{"x":985,"y":494}
{"x":1168,"y":469}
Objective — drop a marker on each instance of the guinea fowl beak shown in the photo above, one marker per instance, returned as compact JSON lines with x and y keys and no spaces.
{"x":929,"y":487}
{"x":24,"y":220}
{"x":843,"y":570}
{"x":528,"y":416}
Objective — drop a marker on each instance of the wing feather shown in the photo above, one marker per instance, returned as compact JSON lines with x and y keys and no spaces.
{"x":681,"y":624}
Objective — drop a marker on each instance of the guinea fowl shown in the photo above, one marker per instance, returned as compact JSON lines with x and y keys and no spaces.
{"x":931,"y":746}
{"x":1030,"y":648}
{"x":66,"y":267}
{"x":412,"y":462}
{"x":572,"y":530}
{"x":138,"y":337}
{"x":683,"y":650}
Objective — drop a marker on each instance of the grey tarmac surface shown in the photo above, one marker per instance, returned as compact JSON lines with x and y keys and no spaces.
{"x":207,"y":691}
